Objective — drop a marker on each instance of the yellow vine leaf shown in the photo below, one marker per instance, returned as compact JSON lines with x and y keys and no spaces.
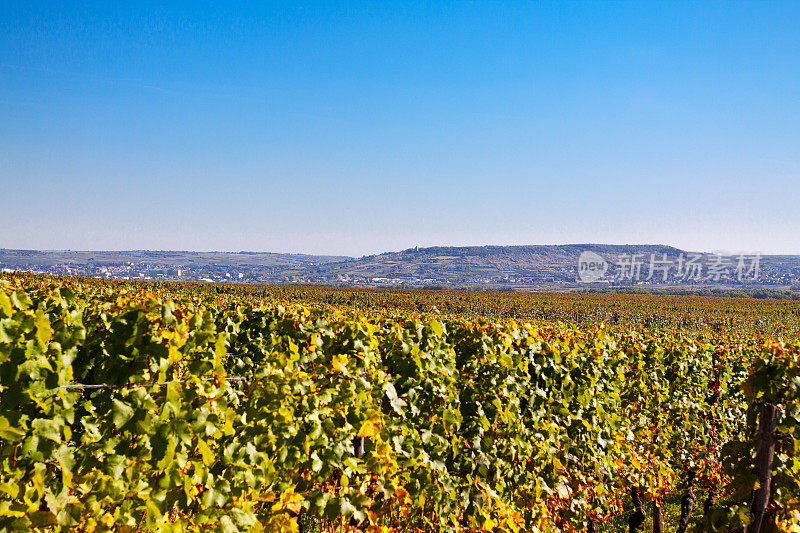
{"x":372,"y":426}
{"x":282,"y":523}
{"x":289,"y":500}
{"x":339,"y":362}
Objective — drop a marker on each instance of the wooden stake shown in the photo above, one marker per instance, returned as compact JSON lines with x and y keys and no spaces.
{"x":709,"y":503}
{"x":658,"y":520}
{"x":638,"y":515}
{"x":358,"y":447}
{"x":765,"y":451}
{"x":687,"y":504}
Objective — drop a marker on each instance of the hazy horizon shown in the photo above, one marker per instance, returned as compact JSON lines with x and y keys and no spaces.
{"x":359,"y":128}
{"x":282,"y":252}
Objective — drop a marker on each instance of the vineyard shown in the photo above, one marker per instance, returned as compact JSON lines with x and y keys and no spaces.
{"x":174,"y":407}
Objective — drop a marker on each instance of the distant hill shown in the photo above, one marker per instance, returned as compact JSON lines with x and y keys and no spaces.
{"x":479,"y":264}
{"x":249,"y":267}
{"x":26,"y":258}
{"x":534,"y":267}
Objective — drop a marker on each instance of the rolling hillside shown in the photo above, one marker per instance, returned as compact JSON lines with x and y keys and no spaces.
{"x":478,"y":264}
{"x":535,"y":267}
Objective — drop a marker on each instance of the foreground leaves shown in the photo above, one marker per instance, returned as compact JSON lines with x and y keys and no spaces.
{"x":377,"y":422}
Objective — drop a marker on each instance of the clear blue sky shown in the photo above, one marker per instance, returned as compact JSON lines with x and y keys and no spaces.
{"x":353,"y":128}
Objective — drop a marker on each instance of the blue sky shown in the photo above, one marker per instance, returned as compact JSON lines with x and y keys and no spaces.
{"x":353,"y":128}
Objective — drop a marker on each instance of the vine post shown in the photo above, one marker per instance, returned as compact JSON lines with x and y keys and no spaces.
{"x":765,"y":451}
{"x":687,"y":504}
{"x":658,"y":519}
{"x":638,"y":515}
